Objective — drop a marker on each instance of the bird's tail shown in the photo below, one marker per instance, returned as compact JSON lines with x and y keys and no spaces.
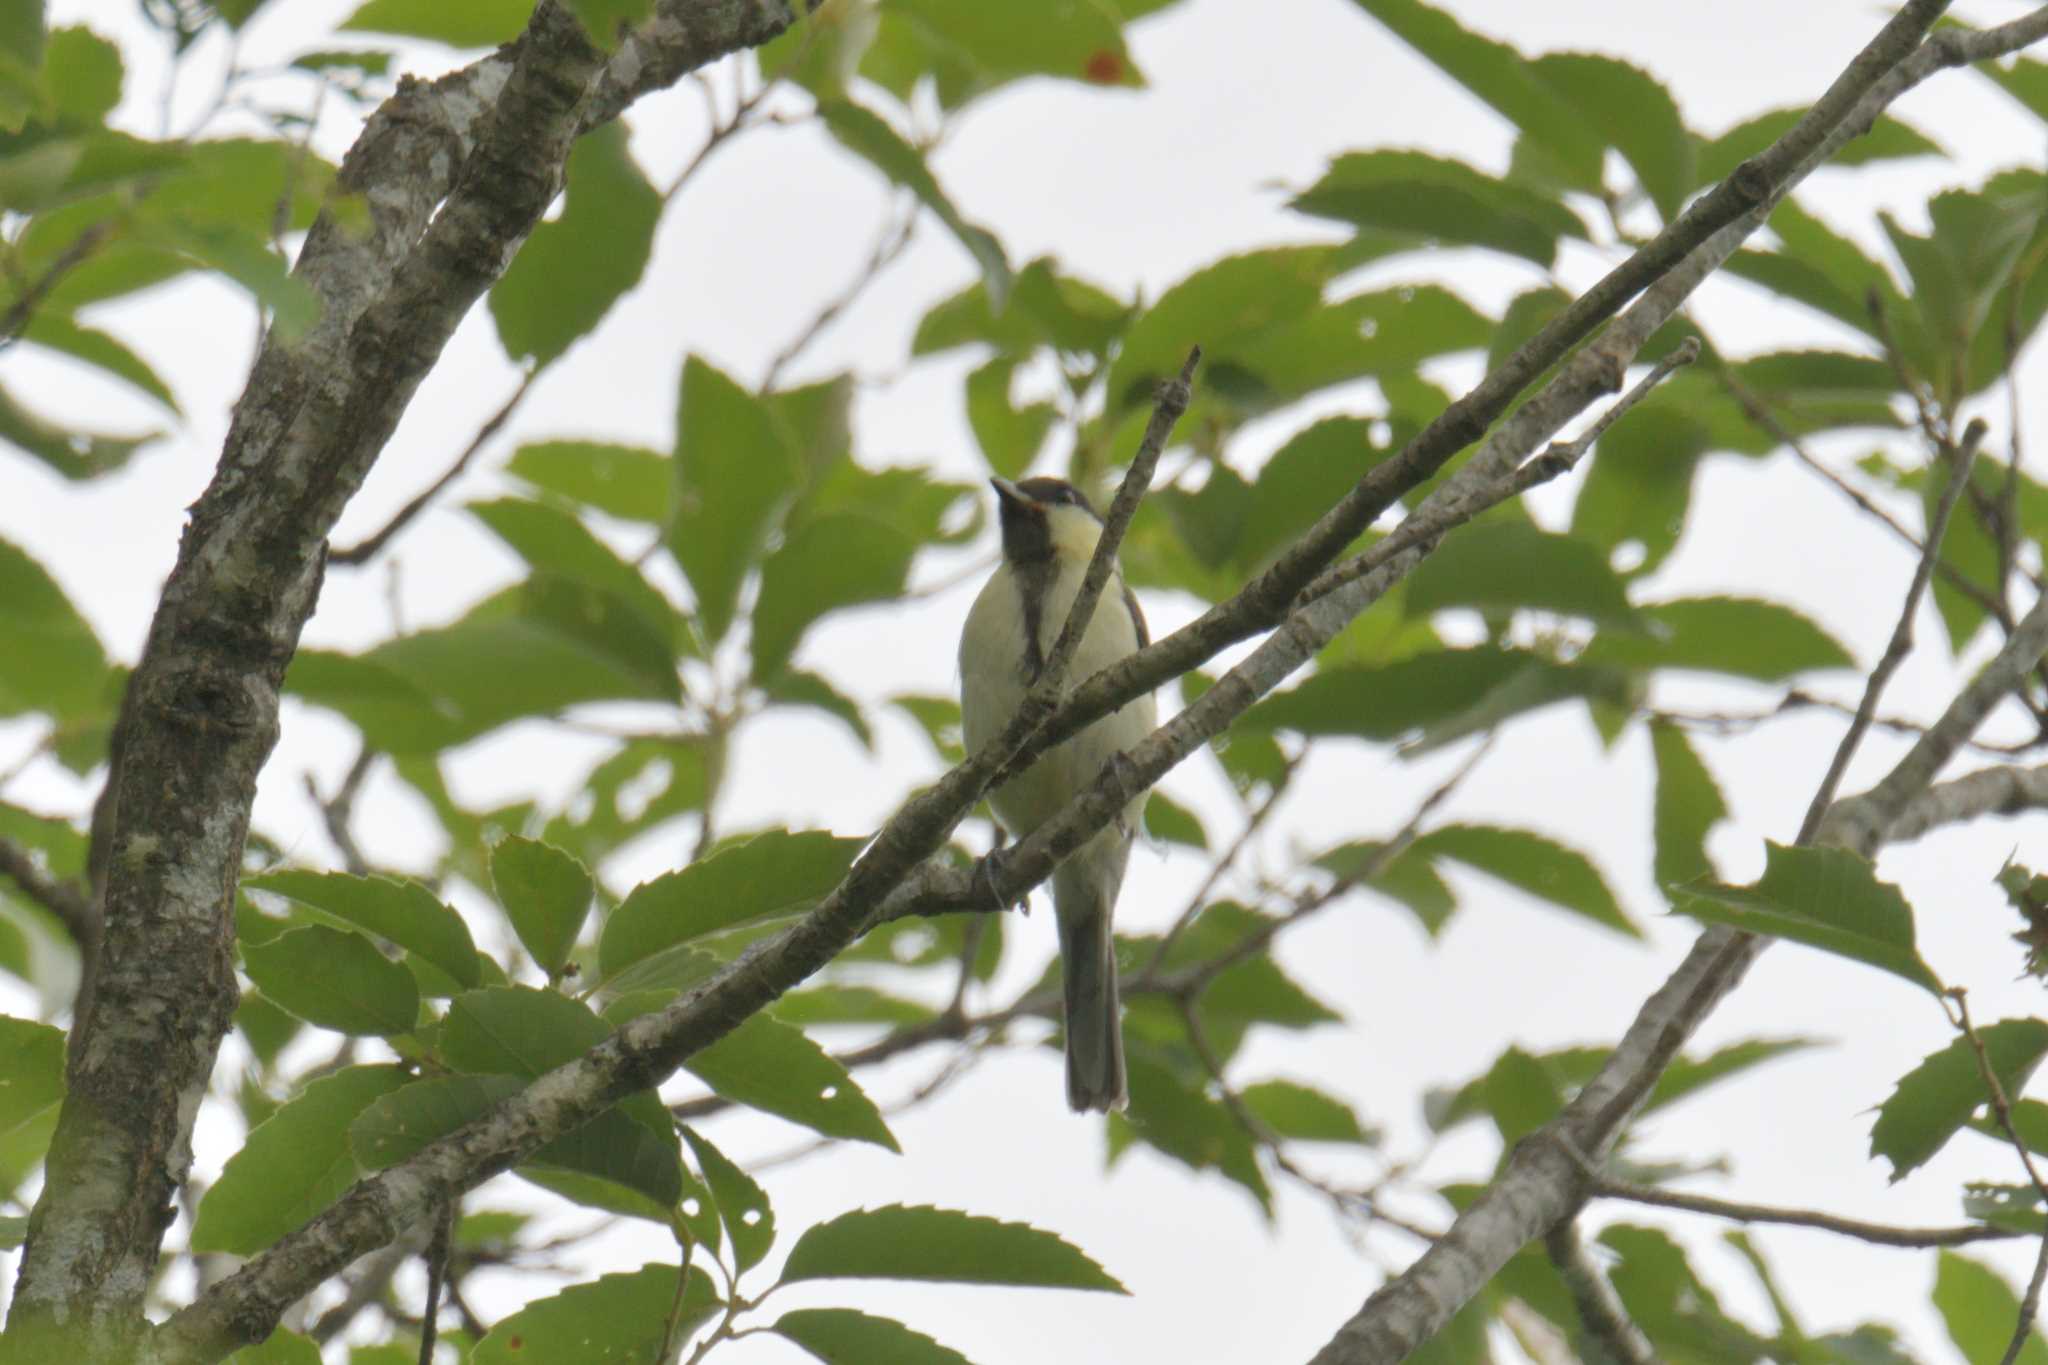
{"x":1095,"y":1035}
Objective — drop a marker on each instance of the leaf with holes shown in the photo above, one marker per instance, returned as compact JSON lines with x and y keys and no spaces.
{"x":742,"y":1205}
{"x":770,"y":1066}
{"x":1937,"y":1097}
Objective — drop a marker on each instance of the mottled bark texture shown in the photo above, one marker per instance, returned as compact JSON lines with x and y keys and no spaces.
{"x":436,"y":196}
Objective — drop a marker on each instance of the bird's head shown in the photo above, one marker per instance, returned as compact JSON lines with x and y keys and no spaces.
{"x":1045,"y":519}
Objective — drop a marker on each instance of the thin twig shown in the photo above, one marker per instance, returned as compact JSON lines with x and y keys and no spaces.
{"x":364,"y":551}
{"x":68,"y":901}
{"x":1797,"y":699}
{"x":1221,"y":866}
{"x":337,"y":812}
{"x":1901,"y":643}
{"x":1601,"y":1311}
{"x":1878,"y":1234}
{"x":22,"y":311}
{"x":890,"y":244}
{"x":2001,"y":1108}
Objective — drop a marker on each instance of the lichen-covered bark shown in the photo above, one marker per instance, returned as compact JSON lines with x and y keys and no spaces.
{"x":444,"y":183}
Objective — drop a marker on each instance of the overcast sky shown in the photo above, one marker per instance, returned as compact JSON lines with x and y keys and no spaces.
{"x":1133,"y":191}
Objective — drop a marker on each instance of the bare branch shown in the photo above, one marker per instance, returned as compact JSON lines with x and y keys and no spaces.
{"x":1989,"y":791}
{"x":1878,"y":1234}
{"x":1600,"y":1308}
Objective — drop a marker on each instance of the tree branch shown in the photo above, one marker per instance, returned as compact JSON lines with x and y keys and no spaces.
{"x":1878,"y":1234}
{"x":1600,"y":1308}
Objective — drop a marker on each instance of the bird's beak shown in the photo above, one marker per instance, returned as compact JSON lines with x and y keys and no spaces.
{"x":1009,"y":492}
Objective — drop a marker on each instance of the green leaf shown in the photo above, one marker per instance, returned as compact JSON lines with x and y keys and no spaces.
{"x":1980,"y":1310}
{"x":1741,"y":636}
{"x":1413,"y":200}
{"x":824,"y":566}
{"x":1937,"y":1097}
{"x":458,"y":23}
{"x":1217,"y":306}
{"x":546,"y":894}
{"x":1076,"y":40}
{"x":620,"y":481}
{"x":612,"y":1318}
{"x":605,"y":20}
{"x":1818,"y":267}
{"x":772,"y":875}
{"x":1887,"y":139}
{"x":1636,"y":113}
{"x":74,"y":455}
{"x":1167,"y":819}
{"x":1172,"y":1111}
{"x":32,"y":1079}
{"x":646,"y":783}
{"x":743,"y":1207}
{"x":1687,"y":1076}
{"x":1531,"y":863}
{"x":1045,"y":308}
{"x":1009,"y":436}
{"x":1306,"y":476}
{"x":404,"y":912}
{"x":1434,"y":689}
{"x":868,"y":136}
{"x":735,"y":471}
{"x":1826,"y":898}
{"x":900,"y":1243}
{"x":1306,"y":1114}
{"x":99,"y":350}
{"x":798,"y":688}
{"x":1505,"y":565}
{"x":845,"y":1336}
{"x":334,"y":979}
{"x":767,"y":1065}
{"x":556,"y":542}
{"x":293,"y":1164}
{"x":53,"y":661}
{"x":1688,"y":806}
{"x":1497,"y":75}
{"x":280,"y":1348}
{"x":573,"y":268}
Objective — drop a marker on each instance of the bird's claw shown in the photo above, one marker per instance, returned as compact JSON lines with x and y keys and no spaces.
{"x":986,"y":874}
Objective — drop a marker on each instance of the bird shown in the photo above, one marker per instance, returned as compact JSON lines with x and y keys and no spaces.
{"x":1049,"y":534}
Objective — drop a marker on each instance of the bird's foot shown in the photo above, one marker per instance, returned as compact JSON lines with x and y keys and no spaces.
{"x":988,"y":872}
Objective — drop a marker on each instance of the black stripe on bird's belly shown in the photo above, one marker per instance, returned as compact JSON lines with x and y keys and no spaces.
{"x":1034,"y":582}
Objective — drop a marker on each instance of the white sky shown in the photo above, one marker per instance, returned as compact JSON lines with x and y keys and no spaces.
{"x":1133,"y":192}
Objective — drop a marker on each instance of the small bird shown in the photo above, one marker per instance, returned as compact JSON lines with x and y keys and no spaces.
{"x":1049,"y":535}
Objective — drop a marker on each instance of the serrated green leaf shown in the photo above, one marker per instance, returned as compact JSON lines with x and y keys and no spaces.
{"x":1635,"y":113}
{"x":614,"y":1318}
{"x":546,"y":894}
{"x":1887,"y":139}
{"x":844,"y":1336}
{"x":827,"y":565}
{"x":1937,"y":1097}
{"x":735,"y":471}
{"x":1414,"y":200}
{"x":621,"y":481}
{"x":573,"y":268}
{"x":767,"y":1065}
{"x":1305,"y":1114}
{"x":334,"y":979}
{"x":1688,"y":806}
{"x":903,"y":1243}
{"x":1506,"y":565}
{"x":293,"y":1164}
{"x":405,"y":912}
{"x":1534,"y":864}
{"x":1826,"y":898}
{"x":742,"y":1205}
{"x":869,"y":136}
{"x":774,"y":874}
{"x":1980,"y":1309}
{"x":458,"y":23}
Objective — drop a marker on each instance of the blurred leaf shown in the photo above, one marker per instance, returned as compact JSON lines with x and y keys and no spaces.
{"x":735,"y":471}
{"x":32,"y":1079}
{"x":405,"y":912}
{"x":1503,"y":78}
{"x":774,"y":874}
{"x":1667,"y":1298}
{"x":1045,"y":308}
{"x":1306,"y":1114}
{"x":334,"y":979}
{"x":647,"y":782}
{"x":1534,"y":864}
{"x":573,"y":268}
{"x":767,"y":1065}
{"x":1409,"y":879}
{"x":1218,"y":307}
{"x":292,"y":1165}
{"x":53,"y":661}
{"x":606,"y":20}
{"x":1979,"y":1309}
{"x":1171,"y":1110}
{"x":612,"y":1318}
{"x":553,"y":541}
{"x":1077,"y":40}
{"x":74,"y":455}
{"x":1504,"y":565}
{"x":743,"y":1207}
{"x":620,"y":481}
{"x":1416,"y":200}
{"x":99,"y":350}
{"x":283,"y":1348}
{"x":1818,"y":267}
{"x":2013,"y":1207}
{"x":899,"y":1243}
{"x":1826,"y":898}
{"x":1638,"y":116}
{"x":1887,"y":139}
{"x":458,"y":23}
{"x":546,"y":894}
{"x":1167,"y":819}
{"x":796,"y":687}
{"x":1009,"y":436}
{"x":1687,"y":1076}
{"x":1741,"y":636}
{"x":1304,"y":478}
{"x":841,"y":1004}
{"x":939,"y":718}
{"x":824,"y":566}
{"x":1937,"y":1097}
{"x":1435,"y":691}
{"x":868,"y":136}
{"x":844,"y":1336}
{"x":1688,"y":806}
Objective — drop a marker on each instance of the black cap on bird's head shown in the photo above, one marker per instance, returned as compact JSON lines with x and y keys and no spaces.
{"x":1025,"y":509}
